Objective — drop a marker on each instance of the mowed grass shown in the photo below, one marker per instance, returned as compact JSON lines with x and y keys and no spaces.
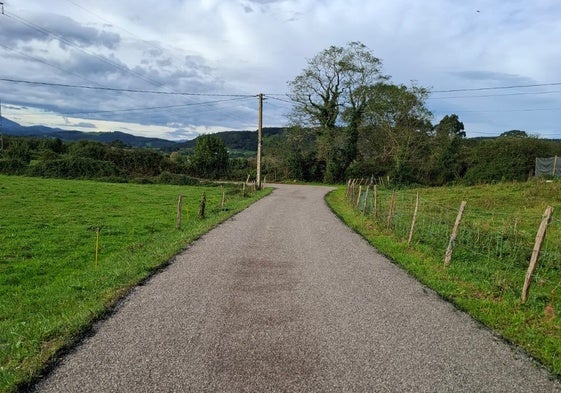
{"x":490,"y":257}
{"x":51,"y":289}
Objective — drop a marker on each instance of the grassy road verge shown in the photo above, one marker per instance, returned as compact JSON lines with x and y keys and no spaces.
{"x":476,"y":282}
{"x":52,"y":289}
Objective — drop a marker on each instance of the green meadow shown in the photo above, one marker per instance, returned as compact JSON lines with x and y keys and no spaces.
{"x":52,"y":286}
{"x":490,"y":256}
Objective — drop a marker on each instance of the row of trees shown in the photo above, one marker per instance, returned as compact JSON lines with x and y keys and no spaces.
{"x":88,"y":159}
{"x":349,"y":120}
{"x":440,"y":157}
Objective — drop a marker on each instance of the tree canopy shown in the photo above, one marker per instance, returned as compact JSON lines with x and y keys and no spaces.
{"x":330,"y":96}
{"x":210,"y":159}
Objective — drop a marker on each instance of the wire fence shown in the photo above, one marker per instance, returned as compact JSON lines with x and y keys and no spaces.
{"x":495,"y":246}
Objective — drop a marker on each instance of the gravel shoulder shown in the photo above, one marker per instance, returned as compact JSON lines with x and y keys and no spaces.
{"x":285,"y":298}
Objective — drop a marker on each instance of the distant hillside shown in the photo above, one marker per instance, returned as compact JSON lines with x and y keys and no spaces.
{"x":238,"y":140}
{"x":233,"y":140}
{"x":10,"y":127}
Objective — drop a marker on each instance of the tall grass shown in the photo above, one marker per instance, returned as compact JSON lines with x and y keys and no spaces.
{"x":50,"y":286}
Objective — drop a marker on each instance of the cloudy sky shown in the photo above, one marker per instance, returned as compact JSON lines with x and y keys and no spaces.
{"x":178,"y":68}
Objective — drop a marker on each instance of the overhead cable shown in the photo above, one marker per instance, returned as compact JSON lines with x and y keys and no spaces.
{"x":178,"y":93}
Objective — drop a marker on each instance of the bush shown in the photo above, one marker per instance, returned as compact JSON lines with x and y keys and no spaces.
{"x":142,"y":180}
{"x":13,"y":166}
{"x":75,"y":168}
{"x":177,"y":179}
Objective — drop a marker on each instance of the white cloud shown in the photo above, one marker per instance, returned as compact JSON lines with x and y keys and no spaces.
{"x":252,"y":46}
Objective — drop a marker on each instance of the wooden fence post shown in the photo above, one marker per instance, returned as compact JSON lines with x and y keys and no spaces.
{"x":391,"y":210}
{"x":223,"y":197}
{"x":97,"y":230}
{"x":540,"y":236}
{"x":375,"y":200}
{"x":358,"y":198}
{"x":448,"y":255}
{"x":413,"y":221}
{"x":365,"y":200}
{"x":202,"y":206}
{"x":178,"y":220}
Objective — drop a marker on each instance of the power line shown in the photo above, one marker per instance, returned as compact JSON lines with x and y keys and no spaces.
{"x":66,"y":85}
{"x":112,"y":24}
{"x":497,"y":88}
{"x":39,"y":60}
{"x":278,"y":99}
{"x":72,"y":44}
{"x":497,"y":95}
{"x":155,"y":107}
{"x":510,"y":110}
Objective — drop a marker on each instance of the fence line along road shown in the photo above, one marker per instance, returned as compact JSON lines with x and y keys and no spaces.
{"x":285,"y":298}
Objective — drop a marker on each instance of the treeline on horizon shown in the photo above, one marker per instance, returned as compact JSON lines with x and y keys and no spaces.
{"x":348,"y":120}
{"x":291,"y":155}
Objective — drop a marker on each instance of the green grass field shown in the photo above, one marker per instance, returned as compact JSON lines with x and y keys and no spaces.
{"x":490,"y":257}
{"x":51,"y":288}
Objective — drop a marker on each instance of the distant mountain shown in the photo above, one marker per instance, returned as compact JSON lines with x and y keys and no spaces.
{"x":233,"y":140}
{"x":10,"y":127}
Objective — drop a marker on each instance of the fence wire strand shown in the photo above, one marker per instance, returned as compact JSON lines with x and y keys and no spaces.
{"x":494,"y":245}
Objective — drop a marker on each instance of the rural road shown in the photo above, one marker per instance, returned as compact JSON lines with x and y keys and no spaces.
{"x":285,"y":298}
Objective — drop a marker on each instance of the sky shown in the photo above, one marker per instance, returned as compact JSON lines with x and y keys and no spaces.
{"x":176,"y":69}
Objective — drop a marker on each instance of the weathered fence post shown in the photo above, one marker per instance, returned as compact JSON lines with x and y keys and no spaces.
{"x":540,"y":236}
{"x":223,"y":197}
{"x":391,"y":210}
{"x":413,"y":221}
{"x":97,"y":230}
{"x":243,"y":190}
{"x":365,"y":200}
{"x":178,"y":220}
{"x":448,"y":255}
{"x":358,"y":198}
{"x":202,"y":206}
{"x":375,"y":200}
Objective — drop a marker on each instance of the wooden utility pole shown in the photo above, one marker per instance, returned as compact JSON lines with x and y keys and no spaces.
{"x":259,"y":140}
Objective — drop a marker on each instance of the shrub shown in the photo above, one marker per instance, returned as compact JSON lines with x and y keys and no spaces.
{"x":177,"y":179}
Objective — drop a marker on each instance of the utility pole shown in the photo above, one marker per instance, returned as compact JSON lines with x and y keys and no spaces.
{"x":259,"y":140}
{"x":2,"y":6}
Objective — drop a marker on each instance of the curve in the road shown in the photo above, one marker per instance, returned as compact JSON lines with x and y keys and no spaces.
{"x":285,"y":298}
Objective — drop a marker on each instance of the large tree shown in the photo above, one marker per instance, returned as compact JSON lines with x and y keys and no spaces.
{"x":395,"y":130}
{"x":447,"y":163}
{"x":330,"y":95}
{"x":210,"y":159}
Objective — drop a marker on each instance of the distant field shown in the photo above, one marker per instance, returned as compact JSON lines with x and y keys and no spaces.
{"x":51,"y":288}
{"x":490,"y":257}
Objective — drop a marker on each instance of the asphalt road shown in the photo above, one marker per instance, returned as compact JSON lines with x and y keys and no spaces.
{"x":285,"y":298}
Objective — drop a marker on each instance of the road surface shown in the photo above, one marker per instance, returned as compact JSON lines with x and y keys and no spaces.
{"x":285,"y":298}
